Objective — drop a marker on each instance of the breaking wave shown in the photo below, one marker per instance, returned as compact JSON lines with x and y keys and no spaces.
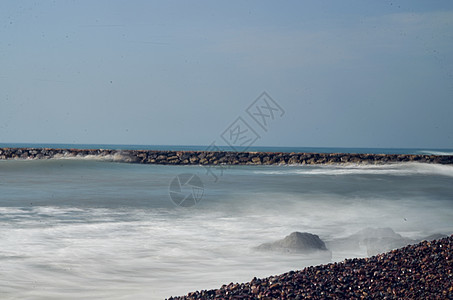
{"x":403,"y":169}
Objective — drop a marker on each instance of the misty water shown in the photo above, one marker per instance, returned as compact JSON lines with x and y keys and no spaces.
{"x":107,"y":230}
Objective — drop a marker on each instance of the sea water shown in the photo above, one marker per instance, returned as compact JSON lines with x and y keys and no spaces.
{"x":72,"y":229}
{"x":423,"y":151}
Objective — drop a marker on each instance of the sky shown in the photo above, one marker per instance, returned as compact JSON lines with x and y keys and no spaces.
{"x":343,"y":73}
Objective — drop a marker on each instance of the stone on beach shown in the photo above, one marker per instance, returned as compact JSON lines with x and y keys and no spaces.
{"x":377,"y":240}
{"x":298,"y":242}
{"x":421,"y":271}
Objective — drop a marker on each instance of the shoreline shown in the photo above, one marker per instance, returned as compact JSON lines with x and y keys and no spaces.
{"x":419,"y":271}
{"x":219,"y":157}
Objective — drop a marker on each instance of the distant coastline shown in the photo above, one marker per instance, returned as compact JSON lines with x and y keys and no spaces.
{"x":219,"y":157}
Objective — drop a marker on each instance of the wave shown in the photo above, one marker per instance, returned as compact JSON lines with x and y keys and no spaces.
{"x":404,"y":169}
{"x":116,"y":157}
{"x":59,"y":158}
{"x":63,"y":166}
{"x":435,"y":152}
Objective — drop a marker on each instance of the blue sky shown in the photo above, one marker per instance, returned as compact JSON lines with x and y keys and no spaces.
{"x":347,"y":73}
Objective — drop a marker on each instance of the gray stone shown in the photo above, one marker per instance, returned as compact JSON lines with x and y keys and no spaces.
{"x":297,"y":242}
{"x":375,"y":240}
{"x":436,"y":236}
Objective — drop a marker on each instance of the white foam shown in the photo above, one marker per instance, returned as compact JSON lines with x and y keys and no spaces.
{"x":404,"y":169}
{"x":54,"y":252}
{"x":116,"y":157}
{"x":150,"y":254}
{"x":430,"y":152}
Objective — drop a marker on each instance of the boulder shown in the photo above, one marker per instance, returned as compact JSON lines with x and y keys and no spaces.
{"x":374,"y":240}
{"x":436,"y":236}
{"x":296,"y":242}
{"x":256,"y":160}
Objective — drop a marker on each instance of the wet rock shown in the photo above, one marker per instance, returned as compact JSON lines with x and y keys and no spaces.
{"x":161,"y":157}
{"x":375,"y":240}
{"x":435,"y":236}
{"x":256,"y":160}
{"x":296,"y":242}
{"x":293,"y":160}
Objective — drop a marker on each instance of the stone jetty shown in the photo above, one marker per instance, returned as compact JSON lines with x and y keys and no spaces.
{"x":420,"y":271}
{"x":219,"y":157}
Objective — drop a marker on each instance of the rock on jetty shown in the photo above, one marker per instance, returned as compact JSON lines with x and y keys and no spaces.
{"x":219,"y":157}
{"x":421,"y":271}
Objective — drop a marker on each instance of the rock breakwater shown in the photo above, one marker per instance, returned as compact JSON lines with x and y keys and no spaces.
{"x":219,"y":157}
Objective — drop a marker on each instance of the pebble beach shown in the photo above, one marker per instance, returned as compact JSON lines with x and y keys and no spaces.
{"x":420,"y":271}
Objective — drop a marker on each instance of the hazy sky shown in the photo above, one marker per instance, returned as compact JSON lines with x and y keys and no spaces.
{"x":346,"y":73}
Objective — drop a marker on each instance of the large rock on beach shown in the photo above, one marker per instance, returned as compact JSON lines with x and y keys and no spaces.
{"x":435,"y":236}
{"x":374,"y":240}
{"x":377,"y":240}
{"x":296,"y":242}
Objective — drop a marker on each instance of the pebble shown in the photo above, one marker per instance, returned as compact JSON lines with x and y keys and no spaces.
{"x":421,"y":271}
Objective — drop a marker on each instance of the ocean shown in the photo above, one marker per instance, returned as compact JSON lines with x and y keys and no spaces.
{"x":91,"y":229}
{"x":423,"y":151}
